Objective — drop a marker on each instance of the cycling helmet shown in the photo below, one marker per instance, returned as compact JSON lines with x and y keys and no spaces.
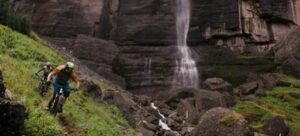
{"x":48,"y":63}
{"x":70,"y":65}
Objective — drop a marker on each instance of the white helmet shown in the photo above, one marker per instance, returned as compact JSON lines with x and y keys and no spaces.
{"x":70,"y":65}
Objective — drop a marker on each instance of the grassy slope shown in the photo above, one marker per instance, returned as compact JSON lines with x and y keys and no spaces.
{"x":276,"y":103}
{"x":20,"y":57}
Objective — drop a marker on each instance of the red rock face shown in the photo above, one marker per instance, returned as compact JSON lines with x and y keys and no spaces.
{"x":144,"y":30}
{"x":62,"y":18}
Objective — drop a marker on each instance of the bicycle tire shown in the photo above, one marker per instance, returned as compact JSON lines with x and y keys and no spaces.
{"x":54,"y":109}
{"x":58,"y":105}
{"x":43,"y":90}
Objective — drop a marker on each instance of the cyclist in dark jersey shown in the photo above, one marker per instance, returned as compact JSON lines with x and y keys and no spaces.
{"x":46,"y":70}
{"x":63,"y":74}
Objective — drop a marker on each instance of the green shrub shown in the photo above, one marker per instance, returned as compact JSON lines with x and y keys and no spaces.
{"x":14,"y":20}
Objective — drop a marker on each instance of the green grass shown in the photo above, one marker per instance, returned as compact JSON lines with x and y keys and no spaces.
{"x":20,"y":58}
{"x":276,"y":103}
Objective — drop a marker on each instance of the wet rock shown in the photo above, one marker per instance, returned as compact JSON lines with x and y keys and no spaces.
{"x":166,"y":111}
{"x":152,"y":119}
{"x":150,"y":126}
{"x":275,"y":127}
{"x":217,"y":84}
{"x":221,"y":121}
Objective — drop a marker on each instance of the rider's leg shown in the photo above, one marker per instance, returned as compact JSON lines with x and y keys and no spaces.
{"x":66,"y":91}
{"x":56,"y":89}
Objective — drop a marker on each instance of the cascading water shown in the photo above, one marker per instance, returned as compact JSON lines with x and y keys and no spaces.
{"x":161,"y":123}
{"x":186,"y":73}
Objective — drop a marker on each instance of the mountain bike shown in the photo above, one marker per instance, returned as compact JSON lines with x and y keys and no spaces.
{"x":43,"y":87}
{"x":58,"y":102}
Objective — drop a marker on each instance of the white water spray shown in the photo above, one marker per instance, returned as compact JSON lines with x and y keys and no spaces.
{"x":186,"y":73}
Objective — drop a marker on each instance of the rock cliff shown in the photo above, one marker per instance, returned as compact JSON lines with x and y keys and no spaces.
{"x":144,"y":32}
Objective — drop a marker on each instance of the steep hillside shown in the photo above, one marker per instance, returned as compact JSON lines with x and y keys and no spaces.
{"x":20,"y":57}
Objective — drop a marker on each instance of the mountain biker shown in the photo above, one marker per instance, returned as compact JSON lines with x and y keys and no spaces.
{"x":47,"y":68}
{"x":63,"y":74}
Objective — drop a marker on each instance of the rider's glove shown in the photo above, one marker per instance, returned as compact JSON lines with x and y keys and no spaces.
{"x":76,"y":89}
{"x":48,"y":82}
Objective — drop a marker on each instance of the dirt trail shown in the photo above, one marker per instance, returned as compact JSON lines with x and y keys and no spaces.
{"x":71,"y":128}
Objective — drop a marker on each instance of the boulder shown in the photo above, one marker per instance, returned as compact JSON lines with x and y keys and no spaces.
{"x":221,"y":121}
{"x":205,"y":100}
{"x":229,"y":99}
{"x":249,"y":88}
{"x":287,"y":53}
{"x":12,"y":114}
{"x":187,"y":109}
{"x":275,"y":127}
{"x":217,"y":84}
{"x":92,"y":90}
{"x":191,"y":103}
{"x":124,"y":101}
{"x":12,"y":118}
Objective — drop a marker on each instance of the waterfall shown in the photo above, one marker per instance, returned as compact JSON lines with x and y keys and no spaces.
{"x":186,"y":73}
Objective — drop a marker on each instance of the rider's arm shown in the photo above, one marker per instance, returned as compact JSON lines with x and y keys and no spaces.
{"x":55,"y":72}
{"x":39,"y":71}
{"x":76,"y":80}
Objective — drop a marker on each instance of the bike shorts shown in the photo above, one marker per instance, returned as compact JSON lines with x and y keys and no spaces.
{"x":65,"y":88}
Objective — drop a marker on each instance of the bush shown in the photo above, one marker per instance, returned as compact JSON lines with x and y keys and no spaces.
{"x":14,"y":20}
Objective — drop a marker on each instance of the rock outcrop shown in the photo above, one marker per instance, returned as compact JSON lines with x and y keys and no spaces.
{"x":221,"y":121}
{"x":249,"y":27}
{"x":287,"y":53}
{"x":98,"y":55}
{"x":62,"y":18}
{"x":144,"y":32}
{"x":12,"y":114}
{"x":276,"y":126}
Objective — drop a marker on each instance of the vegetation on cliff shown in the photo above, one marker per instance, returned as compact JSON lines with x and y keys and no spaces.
{"x":278,"y":102}
{"x":20,"y":58}
{"x":12,"y":19}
